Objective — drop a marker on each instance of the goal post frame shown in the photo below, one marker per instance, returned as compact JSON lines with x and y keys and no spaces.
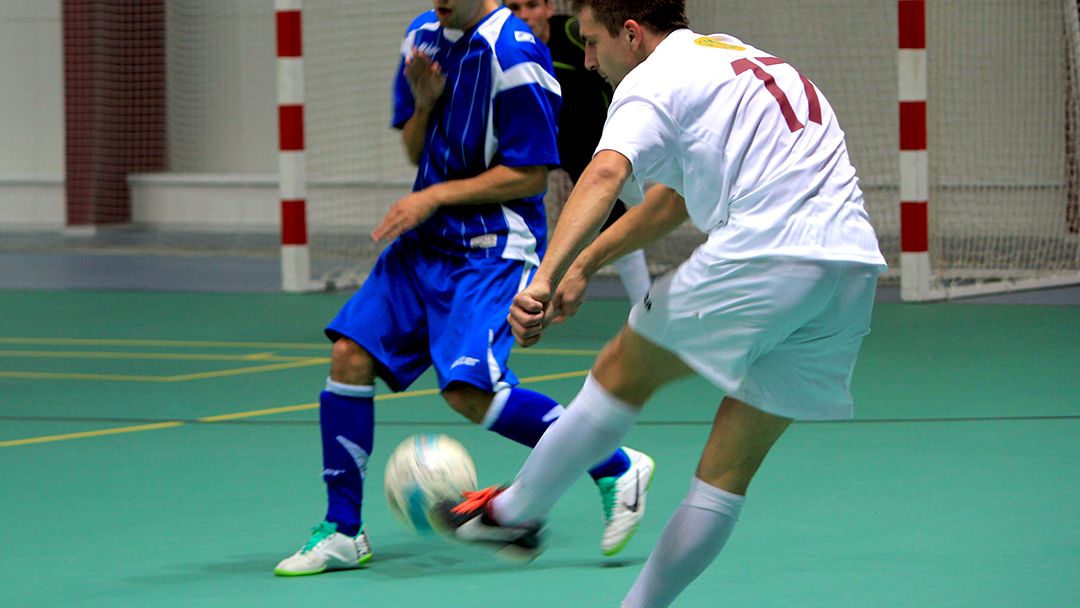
{"x":292,"y":158}
{"x":918,"y":282}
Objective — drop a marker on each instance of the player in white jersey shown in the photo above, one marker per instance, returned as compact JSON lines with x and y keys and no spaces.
{"x":771,"y":309}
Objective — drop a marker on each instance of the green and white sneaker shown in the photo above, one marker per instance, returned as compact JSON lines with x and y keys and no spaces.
{"x":327,"y":549}
{"x":624,"y":501}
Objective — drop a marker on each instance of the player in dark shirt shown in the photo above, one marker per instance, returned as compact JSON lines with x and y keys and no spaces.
{"x":585,"y":98}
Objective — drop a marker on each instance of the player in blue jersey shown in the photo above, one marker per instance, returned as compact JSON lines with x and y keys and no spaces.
{"x":477,"y":103}
{"x":585,"y":97}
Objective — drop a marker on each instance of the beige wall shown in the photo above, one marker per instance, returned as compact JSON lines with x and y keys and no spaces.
{"x":31,"y":89}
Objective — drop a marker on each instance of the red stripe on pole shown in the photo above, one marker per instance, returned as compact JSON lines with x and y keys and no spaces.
{"x":912,"y":125}
{"x":293,"y":222}
{"x":913,"y":227}
{"x":912,"y":24}
{"x":288,"y":34}
{"x":291,"y":128}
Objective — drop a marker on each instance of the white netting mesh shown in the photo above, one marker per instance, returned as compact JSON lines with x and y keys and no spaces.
{"x":356,"y":162}
{"x":998,"y":101}
{"x":351,"y":54}
{"x":221,"y":81}
{"x":1004,"y":181}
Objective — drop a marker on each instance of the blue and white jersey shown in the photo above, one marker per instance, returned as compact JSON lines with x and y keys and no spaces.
{"x":500,"y":107}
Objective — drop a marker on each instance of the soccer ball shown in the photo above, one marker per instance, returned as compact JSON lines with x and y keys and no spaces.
{"x":423,"y":471}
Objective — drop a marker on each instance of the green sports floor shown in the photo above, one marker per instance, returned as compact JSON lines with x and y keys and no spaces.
{"x":161,"y":449}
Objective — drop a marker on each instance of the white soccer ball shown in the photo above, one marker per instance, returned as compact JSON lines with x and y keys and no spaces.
{"x":423,"y":471}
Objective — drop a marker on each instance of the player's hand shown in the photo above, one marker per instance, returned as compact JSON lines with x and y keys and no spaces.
{"x":426,"y":78}
{"x":569,"y":296}
{"x":405,"y":215}
{"x":531,"y":313}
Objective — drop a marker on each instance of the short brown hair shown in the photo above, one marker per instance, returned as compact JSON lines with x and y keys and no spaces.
{"x":661,"y":16}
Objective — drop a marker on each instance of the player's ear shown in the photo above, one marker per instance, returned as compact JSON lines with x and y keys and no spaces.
{"x":632,"y":33}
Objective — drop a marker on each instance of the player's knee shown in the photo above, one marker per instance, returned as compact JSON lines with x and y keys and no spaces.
{"x":469,"y":401}
{"x":632,"y":368}
{"x":351,"y":364}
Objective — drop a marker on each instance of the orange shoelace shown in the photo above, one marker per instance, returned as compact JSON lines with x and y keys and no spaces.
{"x":477,"y":499}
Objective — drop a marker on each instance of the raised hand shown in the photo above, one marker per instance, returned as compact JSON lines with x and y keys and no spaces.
{"x":426,"y":79}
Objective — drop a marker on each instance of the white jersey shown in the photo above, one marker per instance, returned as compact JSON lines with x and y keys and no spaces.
{"x":750,"y":143}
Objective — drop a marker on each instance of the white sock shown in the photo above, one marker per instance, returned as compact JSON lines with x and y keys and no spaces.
{"x":634,"y":273}
{"x":692,"y":539}
{"x":592,"y":427}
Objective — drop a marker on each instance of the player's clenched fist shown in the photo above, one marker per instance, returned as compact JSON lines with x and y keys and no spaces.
{"x":530,"y":314}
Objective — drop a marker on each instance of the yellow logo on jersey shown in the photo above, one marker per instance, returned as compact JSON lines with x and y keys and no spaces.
{"x":713,"y":43}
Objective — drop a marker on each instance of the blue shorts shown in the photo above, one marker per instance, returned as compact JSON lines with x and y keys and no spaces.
{"x":420,"y":307}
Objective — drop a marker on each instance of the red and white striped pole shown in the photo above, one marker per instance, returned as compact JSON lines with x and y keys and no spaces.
{"x":292,"y":161}
{"x":914,"y":160}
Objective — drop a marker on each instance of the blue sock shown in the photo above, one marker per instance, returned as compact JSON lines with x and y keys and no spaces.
{"x":523,"y":416}
{"x":347,"y":419}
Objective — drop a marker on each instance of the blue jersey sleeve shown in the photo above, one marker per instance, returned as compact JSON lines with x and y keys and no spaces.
{"x":527,"y":100}
{"x":404,"y":103}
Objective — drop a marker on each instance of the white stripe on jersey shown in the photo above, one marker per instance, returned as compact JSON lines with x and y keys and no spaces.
{"x":520,"y":242}
{"x":522,"y":74}
{"x":409,"y":41}
{"x":526,"y":73}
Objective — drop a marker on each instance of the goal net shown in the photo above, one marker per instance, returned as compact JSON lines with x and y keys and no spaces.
{"x":1002,"y":124}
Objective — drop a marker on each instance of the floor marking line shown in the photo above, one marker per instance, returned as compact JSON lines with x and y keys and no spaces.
{"x":248,"y":370}
{"x":303,"y":362}
{"x":553,"y":351}
{"x":266,"y":412}
{"x":213,"y":344}
{"x":68,"y":376}
{"x":126,"y":429}
{"x":556,"y":376}
{"x":167,"y":356}
{"x":256,"y":413}
{"x":181,"y":343}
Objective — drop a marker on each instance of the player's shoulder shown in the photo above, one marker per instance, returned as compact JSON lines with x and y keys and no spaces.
{"x":423,"y":32}
{"x":513,"y":41}
{"x":686,"y":59}
{"x":427,"y":20}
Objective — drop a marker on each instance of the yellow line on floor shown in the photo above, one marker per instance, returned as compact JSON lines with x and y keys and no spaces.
{"x":555,"y":377}
{"x":554,"y":351}
{"x":255,"y":413}
{"x":303,"y":362}
{"x":66,"y":376}
{"x":168,"y":356}
{"x":126,"y":429}
{"x":211,"y":344}
{"x":248,"y":370}
{"x":178,"y":343}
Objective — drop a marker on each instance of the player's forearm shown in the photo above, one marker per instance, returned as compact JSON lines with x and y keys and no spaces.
{"x":663,"y":211}
{"x":584,"y":213}
{"x":498,"y":184}
{"x":413,"y":133}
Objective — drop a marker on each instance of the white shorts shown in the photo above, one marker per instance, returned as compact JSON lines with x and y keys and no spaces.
{"x":779,"y":334}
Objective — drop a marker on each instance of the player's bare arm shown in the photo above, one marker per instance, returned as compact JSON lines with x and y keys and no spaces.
{"x":427,"y":83}
{"x":663,"y":211}
{"x":498,"y":184}
{"x":584,"y":213}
